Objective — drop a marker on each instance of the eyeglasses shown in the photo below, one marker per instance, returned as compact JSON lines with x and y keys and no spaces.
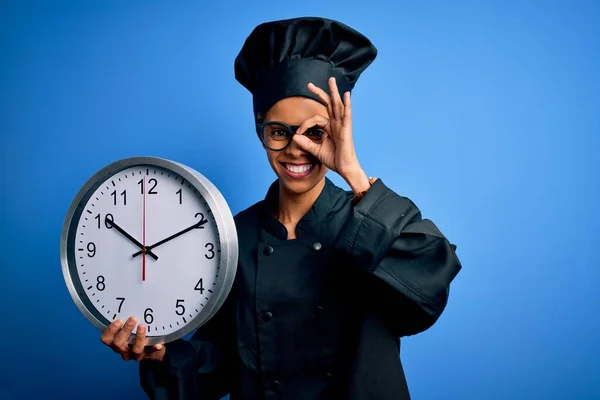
{"x":277,"y":136}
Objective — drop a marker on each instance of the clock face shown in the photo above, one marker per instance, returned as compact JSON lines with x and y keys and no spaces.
{"x":168,"y":285}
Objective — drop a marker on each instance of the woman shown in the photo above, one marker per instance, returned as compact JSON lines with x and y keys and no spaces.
{"x":328,"y":280}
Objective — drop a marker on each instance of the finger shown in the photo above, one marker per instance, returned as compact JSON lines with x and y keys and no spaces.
{"x":307,"y":145}
{"x":323,"y":96}
{"x":137,"y":351}
{"x":315,"y":120}
{"x":347,"y":120}
{"x":157,"y":347}
{"x":121,"y":338}
{"x":108,"y":334}
{"x":336,"y":101}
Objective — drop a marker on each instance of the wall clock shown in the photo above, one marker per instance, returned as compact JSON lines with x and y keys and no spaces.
{"x":150,"y":238}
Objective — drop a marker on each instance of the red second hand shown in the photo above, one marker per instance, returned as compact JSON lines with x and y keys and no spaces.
{"x":144,"y":232}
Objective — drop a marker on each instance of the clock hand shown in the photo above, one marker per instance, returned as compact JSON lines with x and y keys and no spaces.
{"x":131,"y":238}
{"x":196,"y":225}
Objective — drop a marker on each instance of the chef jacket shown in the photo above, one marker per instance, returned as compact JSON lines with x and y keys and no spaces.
{"x":320,"y":316}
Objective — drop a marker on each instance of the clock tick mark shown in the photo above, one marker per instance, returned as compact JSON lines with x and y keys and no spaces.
{"x":210,"y":291}
{"x":177,"y":323}
{"x":184,"y":320}
{"x":102,"y":307}
{"x":119,"y":179}
{"x":90,"y":287}
{"x":89,"y":212}
{"x":197,"y":310}
{"x":79,"y":249}
{"x":114,"y":316}
{"x":113,"y":183}
{"x":147,"y":171}
{"x":202,"y":304}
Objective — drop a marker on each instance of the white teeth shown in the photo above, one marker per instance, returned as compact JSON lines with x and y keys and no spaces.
{"x":298,"y":169}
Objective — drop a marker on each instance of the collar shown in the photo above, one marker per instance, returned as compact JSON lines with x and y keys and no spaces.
{"x":318,"y":222}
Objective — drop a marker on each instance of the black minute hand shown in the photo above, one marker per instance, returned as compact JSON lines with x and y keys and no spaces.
{"x":196,"y":225}
{"x":131,"y":238}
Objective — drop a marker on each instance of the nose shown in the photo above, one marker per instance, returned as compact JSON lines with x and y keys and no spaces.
{"x":293,"y":149}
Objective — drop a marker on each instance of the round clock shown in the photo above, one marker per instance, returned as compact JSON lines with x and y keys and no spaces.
{"x":150,"y":238}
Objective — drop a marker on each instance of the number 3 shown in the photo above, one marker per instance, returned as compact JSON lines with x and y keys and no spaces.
{"x":211,"y":250}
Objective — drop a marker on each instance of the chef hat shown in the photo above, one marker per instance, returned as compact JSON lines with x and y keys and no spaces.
{"x":280,"y":58}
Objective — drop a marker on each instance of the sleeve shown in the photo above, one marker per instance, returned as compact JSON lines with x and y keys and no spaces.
{"x":412,"y":261}
{"x":197,"y":368}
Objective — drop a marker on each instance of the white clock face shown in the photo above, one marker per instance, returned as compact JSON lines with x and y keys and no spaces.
{"x":169,"y":285}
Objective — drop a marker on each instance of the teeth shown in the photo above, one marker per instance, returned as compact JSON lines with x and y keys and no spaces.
{"x":298,"y":169}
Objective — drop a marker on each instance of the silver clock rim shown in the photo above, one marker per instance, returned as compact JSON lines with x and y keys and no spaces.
{"x":225,"y":225}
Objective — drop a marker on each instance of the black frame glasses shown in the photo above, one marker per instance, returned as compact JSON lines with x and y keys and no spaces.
{"x":290,"y":129}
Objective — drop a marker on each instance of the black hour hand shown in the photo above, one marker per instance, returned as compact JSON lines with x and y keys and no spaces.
{"x":112,"y":224}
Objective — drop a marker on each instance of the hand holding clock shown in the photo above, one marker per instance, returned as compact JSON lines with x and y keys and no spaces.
{"x":117,"y":334}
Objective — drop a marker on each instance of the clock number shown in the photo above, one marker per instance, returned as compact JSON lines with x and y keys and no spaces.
{"x":199,"y":286}
{"x":152,"y":181}
{"x":201,"y":218}
{"x":211,"y":249}
{"x":153,"y":187}
{"x":148,"y":316}
{"x":180,"y":195}
{"x":123,"y":194}
{"x":100,"y":283}
{"x":179,"y":306}
{"x":121,"y":299}
{"x":91,"y":248}
{"x":109,"y":216}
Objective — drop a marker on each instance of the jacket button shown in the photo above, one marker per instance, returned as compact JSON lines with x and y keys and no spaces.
{"x":327,"y":376}
{"x":318,"y":310}
{"x":274,"y":385}
{"x":268,"y":250}
{"x":267,"y":316}
{"x":317,"y":246}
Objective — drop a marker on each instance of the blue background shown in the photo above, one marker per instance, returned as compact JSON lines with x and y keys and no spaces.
{"x":486,"y":115}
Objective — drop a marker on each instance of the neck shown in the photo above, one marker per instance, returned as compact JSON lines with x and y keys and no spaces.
{"x":293,"y":206}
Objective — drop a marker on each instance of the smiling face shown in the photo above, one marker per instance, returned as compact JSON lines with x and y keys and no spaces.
{"x":298,"y":171}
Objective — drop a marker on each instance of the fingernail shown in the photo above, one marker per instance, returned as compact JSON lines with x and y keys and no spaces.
{"x":118,"y":322}
{"x":141,"y":328}
{"x":130,"y":322}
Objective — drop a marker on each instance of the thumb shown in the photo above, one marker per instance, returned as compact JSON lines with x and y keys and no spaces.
{"x":306,"y":144}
